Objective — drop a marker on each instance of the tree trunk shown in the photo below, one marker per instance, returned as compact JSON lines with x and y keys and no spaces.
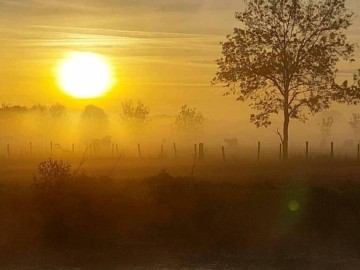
{"x":285,"y":141}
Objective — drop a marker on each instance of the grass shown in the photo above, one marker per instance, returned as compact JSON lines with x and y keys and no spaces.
{"x":265,"y":215}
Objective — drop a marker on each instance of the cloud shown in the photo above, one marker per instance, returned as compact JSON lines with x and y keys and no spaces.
{"x":45,"y":7}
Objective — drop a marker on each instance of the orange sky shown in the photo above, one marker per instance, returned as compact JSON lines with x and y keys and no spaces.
{"x":163,"y":51}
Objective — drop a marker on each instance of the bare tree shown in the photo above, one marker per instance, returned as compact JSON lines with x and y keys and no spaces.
{"x":189,"y":119}
{"x":283,"y":58}
{"x":326,"y":128}
{"x":57,"y":111}
{"x":134,"y":114}
{"x":355,"y":124}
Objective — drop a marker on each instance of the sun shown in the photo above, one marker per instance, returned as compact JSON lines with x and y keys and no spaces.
{"x":84,"y":75}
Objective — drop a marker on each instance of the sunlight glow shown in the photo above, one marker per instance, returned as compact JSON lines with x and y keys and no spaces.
{"x":84,"y":75}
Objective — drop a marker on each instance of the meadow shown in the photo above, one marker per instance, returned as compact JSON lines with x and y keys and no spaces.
{"x":172,"y":214}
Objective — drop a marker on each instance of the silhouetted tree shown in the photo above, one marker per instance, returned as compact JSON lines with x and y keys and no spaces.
{"x":189,"y":119}
{"x":38,"y":108}
{"x":8,"y":108}
{"x":94,"y":123}
{"x":355,"y":124}
{"x":57,"y":111}
{"x":283,"y":58}
{"x":326,"y":128}
{"x":134,"y":113}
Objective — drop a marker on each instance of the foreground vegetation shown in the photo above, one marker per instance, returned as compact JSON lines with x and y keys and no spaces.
{"x":71,"y":220}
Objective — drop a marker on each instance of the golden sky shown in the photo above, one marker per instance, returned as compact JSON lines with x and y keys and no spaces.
{"x":162,"y":51}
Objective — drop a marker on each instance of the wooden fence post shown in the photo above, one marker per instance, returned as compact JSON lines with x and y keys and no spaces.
{"x":223,"y":153}
{"x":139,"y":150}
{"x":307,"y":150}
{"x":175,"y":150}
{"x":332,"y":150}
{"x":259,"y":150}
{"x":195,"y":151}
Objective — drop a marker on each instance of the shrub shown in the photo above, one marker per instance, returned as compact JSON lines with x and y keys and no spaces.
{"x":52,"y":173}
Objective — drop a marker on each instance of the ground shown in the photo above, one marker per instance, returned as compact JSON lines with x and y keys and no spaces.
{"x":153,"y":214}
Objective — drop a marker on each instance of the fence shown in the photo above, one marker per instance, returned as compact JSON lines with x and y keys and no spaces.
{"x":200,"y":152}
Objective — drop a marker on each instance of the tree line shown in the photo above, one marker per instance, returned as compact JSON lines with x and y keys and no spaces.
{"x":133,"y":114}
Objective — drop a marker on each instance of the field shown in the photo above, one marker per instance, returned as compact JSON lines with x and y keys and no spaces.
{"x":162,"y":214}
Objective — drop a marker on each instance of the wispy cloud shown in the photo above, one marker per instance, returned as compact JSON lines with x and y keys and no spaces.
{"x":50,"y":36}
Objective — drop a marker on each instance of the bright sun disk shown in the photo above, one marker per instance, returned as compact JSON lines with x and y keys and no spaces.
{"x":84,"y":75}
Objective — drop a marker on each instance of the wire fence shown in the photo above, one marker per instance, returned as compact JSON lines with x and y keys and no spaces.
{"x":199,"y":151}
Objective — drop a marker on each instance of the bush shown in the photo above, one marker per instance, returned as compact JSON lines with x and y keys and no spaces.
{"x":52,"y":173}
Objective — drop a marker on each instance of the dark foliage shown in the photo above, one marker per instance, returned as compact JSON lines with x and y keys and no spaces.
{"x":100,"y":222}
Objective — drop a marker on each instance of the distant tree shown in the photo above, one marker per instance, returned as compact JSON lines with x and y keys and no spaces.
{"x":134,"y":116}
{"x":326,"y":129}
{"x":94,"y":123}
{"x":8,"y":108}
{"x":189,"y":119}
{"x":38,"y":108}
{"x":355,"y":124}
{"x":134,"y":113}
{"x":283,"y":58}
{"x":57,"y":111}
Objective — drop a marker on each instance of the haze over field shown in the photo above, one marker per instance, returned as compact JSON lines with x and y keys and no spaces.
{"x":179,"y":134}
{"x":162,"y":53}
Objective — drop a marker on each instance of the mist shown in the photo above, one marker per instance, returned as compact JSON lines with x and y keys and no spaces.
{"x":66,"y":128}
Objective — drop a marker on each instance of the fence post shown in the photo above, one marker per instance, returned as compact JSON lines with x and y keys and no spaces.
{"x":175,"y":150}
{"x":201,"y":151}
{"x":332,"y":150}
{"x":162,"y":151}
{"x":139,"y":150}
{"x":73,"y":148}
{"x":51,"y":149}
{"x":259,"y":150}
{"x":223,"y":153}
{"x":307,"y":150}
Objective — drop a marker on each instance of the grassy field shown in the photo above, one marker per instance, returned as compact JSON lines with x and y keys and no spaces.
{"x":153,"y":215}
